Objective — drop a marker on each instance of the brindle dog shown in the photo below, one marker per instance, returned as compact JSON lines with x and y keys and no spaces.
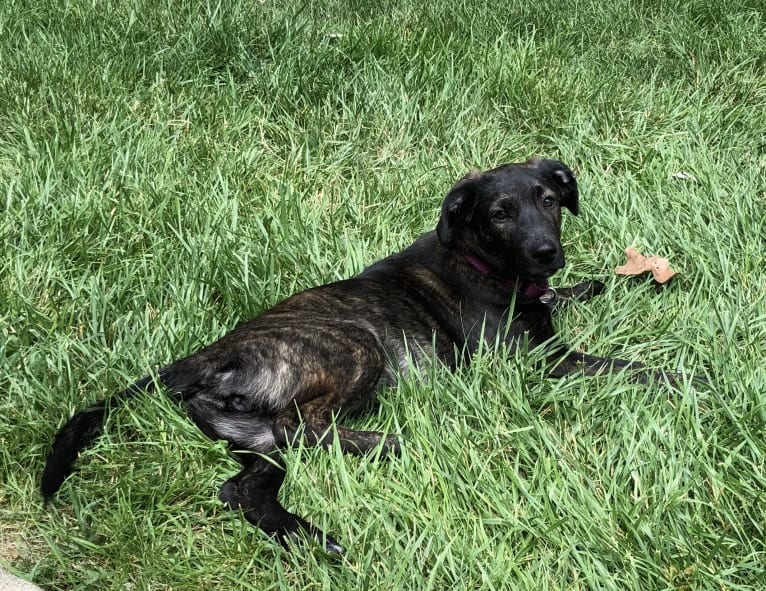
{"x":287,"y":374}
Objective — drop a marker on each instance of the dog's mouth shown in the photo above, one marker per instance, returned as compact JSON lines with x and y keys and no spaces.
{"x":538,"y":280}
{"x":545,"y":275}
{"x":540,"y":274}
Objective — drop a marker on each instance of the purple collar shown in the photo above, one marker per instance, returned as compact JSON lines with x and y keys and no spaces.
{"x":527,"y":289}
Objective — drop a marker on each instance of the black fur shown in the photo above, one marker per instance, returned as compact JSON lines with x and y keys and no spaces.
{"x":78,"y":433}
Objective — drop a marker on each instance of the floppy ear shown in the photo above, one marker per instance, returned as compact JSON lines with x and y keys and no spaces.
{"x":561,"y":175}
{"x":571,"y":196}
{"x":457,"y":206}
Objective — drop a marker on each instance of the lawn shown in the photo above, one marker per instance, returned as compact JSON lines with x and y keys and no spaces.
{"x":169,"y":169}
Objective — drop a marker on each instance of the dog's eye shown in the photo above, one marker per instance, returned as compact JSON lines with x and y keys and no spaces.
{"x":549,"y":201}
{"x":499,"y":215}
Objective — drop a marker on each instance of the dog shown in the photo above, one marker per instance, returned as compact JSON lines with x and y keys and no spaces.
{"x":480,"y":277}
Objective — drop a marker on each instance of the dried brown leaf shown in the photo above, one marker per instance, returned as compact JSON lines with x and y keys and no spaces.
{"x":638,"y":264}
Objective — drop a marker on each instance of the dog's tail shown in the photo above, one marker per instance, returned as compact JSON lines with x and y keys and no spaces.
{"x":79,"y":432}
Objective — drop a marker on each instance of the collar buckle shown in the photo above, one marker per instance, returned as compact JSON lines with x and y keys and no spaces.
{"x":548,"y":297}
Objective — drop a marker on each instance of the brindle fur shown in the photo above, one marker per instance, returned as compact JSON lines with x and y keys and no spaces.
{"x":290,"y":372}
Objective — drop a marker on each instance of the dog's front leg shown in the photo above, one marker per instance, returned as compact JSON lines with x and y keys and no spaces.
{"x":582,"y":292}
{"x":572,"y":362}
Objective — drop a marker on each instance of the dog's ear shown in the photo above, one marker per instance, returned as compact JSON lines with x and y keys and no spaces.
{"x":571,"y":196}
{"x":562,"y":176}
{"x":457,"y":206}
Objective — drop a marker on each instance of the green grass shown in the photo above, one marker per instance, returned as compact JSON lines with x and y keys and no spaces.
{"x":171,"y":168}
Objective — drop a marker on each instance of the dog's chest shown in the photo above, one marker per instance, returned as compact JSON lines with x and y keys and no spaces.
{"x":453,"y":339}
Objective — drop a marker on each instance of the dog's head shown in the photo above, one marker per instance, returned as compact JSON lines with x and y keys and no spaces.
{"x":510,"y":217}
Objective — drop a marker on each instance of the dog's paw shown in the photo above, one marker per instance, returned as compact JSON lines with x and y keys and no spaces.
{"x":392,"y":446}
{"x":587,"y":290}
{"x":581,"y":292}
{"x":306,"y":533}
{"x":596,"y":287}
{"x":229,"y":494}
{"x":331,"y":546}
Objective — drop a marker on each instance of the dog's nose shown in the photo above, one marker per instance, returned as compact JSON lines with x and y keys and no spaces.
{"x":545,"y":252}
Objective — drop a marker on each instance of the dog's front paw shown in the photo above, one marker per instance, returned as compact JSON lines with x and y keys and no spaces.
{"x":392,"y":446}
{"x":581,"y":292}
{"x":588,"y":289}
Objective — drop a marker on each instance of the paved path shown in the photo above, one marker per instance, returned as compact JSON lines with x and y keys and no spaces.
{"x":8,"y":582}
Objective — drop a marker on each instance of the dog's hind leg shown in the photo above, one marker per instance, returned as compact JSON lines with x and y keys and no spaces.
{"x":317,"y":426}
{"x":345,"y":383}
{"x":311,"y":418}
{"x":341,"y":377}
{"x":254,"y":491}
